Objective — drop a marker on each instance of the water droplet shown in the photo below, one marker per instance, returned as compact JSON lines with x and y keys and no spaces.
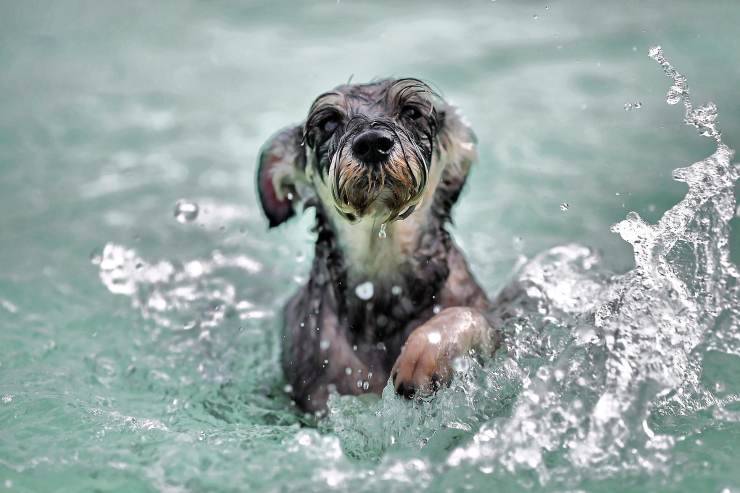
{"x":461,"y":364}
{"x":365,"y":385}
{"x":348,"y":371}
{"x":186,"y":211}
{"x":564,"y":206}
{"x":632,"y":106}
{"x":382,"y":234}
{"x":7,"y":398}
{"x":288,"y":389}
{"x":325,"y":344}
{"x":96,"y":257}
{"x":365,"y":290}
{"x":436,"y":309}
{"x":434,"y":337}
{"x":397,"y":290}
{"x":359,"y":384}
{"x":547,"y":7}
{"x":535,"y":16}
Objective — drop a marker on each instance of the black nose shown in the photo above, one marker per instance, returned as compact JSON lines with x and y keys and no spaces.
{"x":372,"y":146}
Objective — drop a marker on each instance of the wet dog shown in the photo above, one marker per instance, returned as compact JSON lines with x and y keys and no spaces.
{"x":390,"y":294}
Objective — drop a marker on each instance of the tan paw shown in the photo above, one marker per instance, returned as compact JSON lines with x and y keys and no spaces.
{"x":425,"y":362}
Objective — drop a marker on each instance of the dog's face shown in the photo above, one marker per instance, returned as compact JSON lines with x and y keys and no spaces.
{"x":371,"y":145}
{"x":364,"y":149}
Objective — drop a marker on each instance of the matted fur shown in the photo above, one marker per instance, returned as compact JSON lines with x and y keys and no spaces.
{"x":328,"y":328}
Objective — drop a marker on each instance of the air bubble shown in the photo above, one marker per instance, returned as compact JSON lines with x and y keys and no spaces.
{"x":186,"y":211}
{"x":564,"y":206}
{"x":382,"y":233}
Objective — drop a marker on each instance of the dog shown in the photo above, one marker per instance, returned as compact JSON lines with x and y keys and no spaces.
{"x":390,"y":295}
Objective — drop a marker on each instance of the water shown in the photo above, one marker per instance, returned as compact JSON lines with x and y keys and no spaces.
{"x":139,"y":345}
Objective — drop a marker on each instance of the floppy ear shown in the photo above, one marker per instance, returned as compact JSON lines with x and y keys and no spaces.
{"x":281,"y":165}
{"x":457,"y":152}
{"x":457,"y":141}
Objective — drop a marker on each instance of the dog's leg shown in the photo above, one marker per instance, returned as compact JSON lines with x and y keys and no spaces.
{"x":425,"y":362}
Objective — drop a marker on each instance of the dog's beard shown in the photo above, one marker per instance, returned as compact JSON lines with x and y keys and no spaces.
{"x":390,"y":190}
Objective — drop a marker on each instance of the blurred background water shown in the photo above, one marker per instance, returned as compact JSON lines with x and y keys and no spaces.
{"x":112,"y":112}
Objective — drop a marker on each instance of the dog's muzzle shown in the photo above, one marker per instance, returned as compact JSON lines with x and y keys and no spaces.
{"x":377,"y":170}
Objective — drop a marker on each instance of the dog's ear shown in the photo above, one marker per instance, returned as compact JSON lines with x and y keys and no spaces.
{"x":457,"y":140}
{"x":457,"y":151}
{"x":281,"y":166}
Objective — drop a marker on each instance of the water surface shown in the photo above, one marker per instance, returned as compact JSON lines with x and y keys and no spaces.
{"x":140,"y":353}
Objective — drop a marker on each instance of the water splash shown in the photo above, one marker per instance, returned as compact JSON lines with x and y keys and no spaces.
{"x":593,"y":359}
{"x":178,"y":295}
{"x":703,"y":118}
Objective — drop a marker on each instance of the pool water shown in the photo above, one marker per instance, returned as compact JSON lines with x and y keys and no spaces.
{"x":140,"y":289}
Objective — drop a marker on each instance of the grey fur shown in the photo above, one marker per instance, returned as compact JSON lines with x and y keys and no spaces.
{"x":333,"y":340}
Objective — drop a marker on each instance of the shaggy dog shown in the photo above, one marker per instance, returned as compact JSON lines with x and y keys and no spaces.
{"x":390,"y":294}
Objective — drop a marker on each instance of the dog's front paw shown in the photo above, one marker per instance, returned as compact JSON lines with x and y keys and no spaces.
{"x":422,"y":367}
{"x":425,"y":362}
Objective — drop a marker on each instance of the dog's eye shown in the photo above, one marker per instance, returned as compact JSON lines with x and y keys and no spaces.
{"x":329,"y":125}
{"x":411,"y":112}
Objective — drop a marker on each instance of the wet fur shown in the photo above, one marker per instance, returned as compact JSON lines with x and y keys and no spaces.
{"x":333,"y":340}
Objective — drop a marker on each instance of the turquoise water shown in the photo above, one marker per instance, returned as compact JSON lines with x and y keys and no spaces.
{"x":139,"y":353}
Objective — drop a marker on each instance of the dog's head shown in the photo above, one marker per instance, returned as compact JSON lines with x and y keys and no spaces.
{"x":365,"y":149}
